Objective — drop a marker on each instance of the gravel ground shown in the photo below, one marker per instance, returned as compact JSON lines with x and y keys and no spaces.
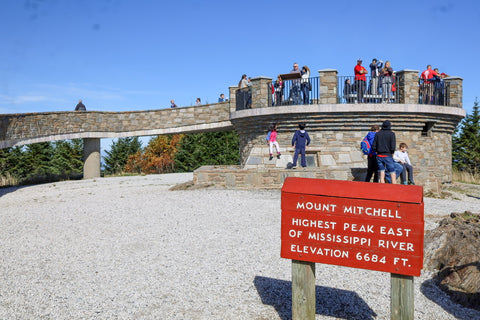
{"x":127,"y":248}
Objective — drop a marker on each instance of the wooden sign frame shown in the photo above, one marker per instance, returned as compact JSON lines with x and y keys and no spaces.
{"x":354,"y":224}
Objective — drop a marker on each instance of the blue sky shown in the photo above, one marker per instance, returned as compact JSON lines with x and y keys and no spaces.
{"x":120,"y":55}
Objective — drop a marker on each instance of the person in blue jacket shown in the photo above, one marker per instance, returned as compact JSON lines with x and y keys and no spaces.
{"x":300,"y":141}
{"x":372,"y":156}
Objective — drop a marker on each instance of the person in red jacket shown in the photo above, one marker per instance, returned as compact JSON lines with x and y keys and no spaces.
{"x":360,"y":80}
{"x":427,"y":85}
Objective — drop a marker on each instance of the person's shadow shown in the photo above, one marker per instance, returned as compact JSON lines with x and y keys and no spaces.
{"x":329,"y":301}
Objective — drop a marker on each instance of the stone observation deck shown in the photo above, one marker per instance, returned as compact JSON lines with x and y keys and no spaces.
{"x":335,"y":129}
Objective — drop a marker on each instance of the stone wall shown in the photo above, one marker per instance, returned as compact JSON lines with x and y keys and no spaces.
{"x":337,"y":156}
{"x":408,"y":82}
{"x":328,"y":86}
{"x":455,"y":94}
{"x":237,"y":177}
{"x":336,"y":132}
{"x":18,"y":129}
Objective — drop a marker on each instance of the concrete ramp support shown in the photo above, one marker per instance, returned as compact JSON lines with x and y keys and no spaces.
{"x":91,"y":158}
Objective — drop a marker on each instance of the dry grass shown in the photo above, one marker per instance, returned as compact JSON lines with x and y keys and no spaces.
{"x":8,"y":180}
{"x":466,"y":177}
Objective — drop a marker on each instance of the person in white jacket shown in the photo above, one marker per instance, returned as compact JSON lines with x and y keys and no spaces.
{"x":401,"y":156}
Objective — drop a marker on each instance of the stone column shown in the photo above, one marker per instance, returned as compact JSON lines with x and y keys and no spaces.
{"x":261,"y":92}
{"x":91,"y":158}
{"x":407,"y":86}
{"x":232,"y":91}
{"x":328,"y":86}
{"x":454,"y":91}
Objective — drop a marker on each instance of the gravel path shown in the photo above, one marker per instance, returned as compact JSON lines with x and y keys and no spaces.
{"x":127,"y":248}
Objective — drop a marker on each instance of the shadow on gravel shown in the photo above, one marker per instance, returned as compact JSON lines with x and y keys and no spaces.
{"x":5,"y":190}
{"x":330,"y":302}
{"x":435,"y":294}
{"x":472,"y":196}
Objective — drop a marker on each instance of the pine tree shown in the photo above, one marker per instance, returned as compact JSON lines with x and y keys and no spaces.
{"x":38,"y":165}
{"x":466,"y":142}
{"x":67,"y":158}
{"x":13,"y":162}
{"x":210,"y":148}
{"x":119,"y":152}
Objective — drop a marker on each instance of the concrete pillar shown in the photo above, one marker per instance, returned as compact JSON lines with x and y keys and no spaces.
{"x":261,"y":92}
{"x":454,"y":91}
{"x":328,"y":86}
{"x":407,"y":87}
{"x":91,"y":158}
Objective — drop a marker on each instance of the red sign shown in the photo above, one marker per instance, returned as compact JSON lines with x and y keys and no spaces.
{"x":355,"y":224}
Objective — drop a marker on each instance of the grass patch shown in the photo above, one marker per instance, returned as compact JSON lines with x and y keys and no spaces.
{"x":465,"y":176}
{"x":466,"y":216}
{"x":121,"y":174}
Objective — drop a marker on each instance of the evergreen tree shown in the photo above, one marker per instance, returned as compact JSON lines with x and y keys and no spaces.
{"x":4,"y":163}
{"x":67,"y":158}
{"x":119,"y":152}
{"x":210,"y":148}
{"x":38,"y":163}
{"x":466,"y":142}
{"x":9,"y":157}
{"x":12,"y":162}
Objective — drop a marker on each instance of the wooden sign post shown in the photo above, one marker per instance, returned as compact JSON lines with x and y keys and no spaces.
{"x":355,"y":224}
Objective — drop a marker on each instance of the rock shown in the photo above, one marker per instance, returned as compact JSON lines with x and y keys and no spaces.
{"x":453,"y":249}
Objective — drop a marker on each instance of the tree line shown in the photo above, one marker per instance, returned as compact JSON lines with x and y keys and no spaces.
{"x":61,"y":160}
{"x":41,"y":162}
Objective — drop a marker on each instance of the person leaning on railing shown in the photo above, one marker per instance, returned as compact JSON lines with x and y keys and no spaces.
{"x":427,"y":85}
{"x":439,"y":87}
{"x":295,"y":94}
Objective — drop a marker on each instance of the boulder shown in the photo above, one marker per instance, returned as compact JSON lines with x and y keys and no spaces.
{"x":453,"y":249}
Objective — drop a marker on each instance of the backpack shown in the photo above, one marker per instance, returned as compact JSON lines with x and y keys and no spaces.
{"x":268,"y":136}
{"x":365,"y":146}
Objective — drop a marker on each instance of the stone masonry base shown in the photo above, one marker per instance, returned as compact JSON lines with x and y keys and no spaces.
{"x":235,"y":177}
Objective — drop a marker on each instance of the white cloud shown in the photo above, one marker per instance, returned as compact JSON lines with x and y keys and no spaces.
{"x":29,"y":99}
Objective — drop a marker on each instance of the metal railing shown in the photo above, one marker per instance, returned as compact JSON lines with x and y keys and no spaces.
{"x":295,"y":92}
{"x":243,"y":98}
{"x":373,"y":90}
{"x":434,"y":91}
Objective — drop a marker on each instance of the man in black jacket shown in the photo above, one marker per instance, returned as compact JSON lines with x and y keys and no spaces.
{"x":384,"y":145}
{"x":80,"y":106}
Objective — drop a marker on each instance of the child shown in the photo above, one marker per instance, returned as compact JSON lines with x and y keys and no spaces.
{"x":401,"y":156}
{"x":300,"y":140}
{"x":273,"y":141}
